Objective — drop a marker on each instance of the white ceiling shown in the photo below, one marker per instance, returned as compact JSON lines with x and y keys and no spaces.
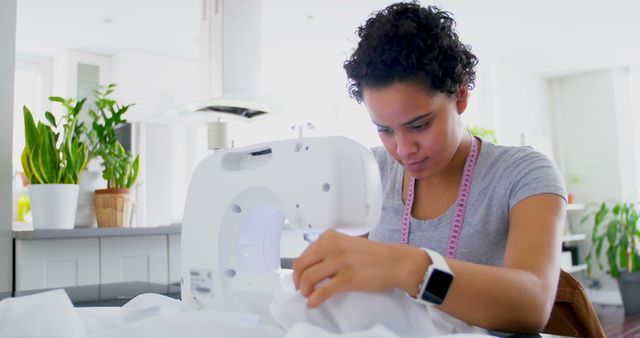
{"x":47,"y":27}
{"x":550,"y":36}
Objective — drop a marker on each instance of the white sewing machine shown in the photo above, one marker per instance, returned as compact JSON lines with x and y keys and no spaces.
{"x":240,"y":199}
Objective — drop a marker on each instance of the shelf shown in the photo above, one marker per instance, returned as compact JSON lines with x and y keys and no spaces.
{"x":573,"y":237}
{"x":605,"y":297}
{"x":575,"y":268}
{"x":575,"y":206}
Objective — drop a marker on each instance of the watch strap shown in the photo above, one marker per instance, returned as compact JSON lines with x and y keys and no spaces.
{"x":437,"y":261}
{"x":439,"y":267}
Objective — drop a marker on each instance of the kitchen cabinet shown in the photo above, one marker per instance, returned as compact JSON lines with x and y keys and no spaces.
{"x":134,"y":258}
{"x":57,"y":258}
{"x":56,"y":262}
{"x":174,"y":258}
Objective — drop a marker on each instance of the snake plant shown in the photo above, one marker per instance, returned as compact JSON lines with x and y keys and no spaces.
{"x":49,"y":157}
{"x":120,"y":168}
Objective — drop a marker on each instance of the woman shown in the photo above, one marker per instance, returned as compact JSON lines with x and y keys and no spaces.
{"x":490,"y":217}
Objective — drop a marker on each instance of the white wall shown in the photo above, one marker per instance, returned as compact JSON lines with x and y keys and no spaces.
{"x":514,"y":101}
{"x":592,"y":120}
{"x":65,"y":71}
{"x":168,"y":152}
{"x":595,"y":139}
{"x":7,"y":55}
{"x":634,"y":86}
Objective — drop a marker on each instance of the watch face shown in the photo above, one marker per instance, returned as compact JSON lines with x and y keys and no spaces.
{"x":437,"y":286}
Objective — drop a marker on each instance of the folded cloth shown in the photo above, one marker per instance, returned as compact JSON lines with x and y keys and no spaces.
{"x":47,"y":314}
{"x":352,"y":312}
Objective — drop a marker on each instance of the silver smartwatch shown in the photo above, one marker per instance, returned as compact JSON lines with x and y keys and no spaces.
{"x":436,"y":281}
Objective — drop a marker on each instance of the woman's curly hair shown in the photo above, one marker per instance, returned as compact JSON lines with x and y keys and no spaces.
{"x":407,"y":42}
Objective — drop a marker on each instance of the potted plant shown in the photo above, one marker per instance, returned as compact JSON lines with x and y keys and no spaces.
{"x":119,"y":167}
{"x":52,"y":163}
{"x":573,"y":180}
{"x":616,"y":224}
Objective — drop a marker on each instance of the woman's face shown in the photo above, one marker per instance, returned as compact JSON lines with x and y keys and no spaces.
{"x":420,"y":129}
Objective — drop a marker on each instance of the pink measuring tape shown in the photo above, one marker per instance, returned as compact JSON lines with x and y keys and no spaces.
{"x":461,"y":202}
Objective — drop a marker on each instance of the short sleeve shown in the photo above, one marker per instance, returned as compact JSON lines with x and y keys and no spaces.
{"x":534,"y":174}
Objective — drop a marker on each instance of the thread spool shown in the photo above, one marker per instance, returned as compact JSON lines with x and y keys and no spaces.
{"x":217,"y":135}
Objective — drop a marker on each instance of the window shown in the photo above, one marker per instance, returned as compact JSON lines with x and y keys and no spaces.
{"x":32,"y":87}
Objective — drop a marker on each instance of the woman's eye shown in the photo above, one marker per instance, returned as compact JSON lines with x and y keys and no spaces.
{"x":386,"y":131}
{"x":421,"y":126}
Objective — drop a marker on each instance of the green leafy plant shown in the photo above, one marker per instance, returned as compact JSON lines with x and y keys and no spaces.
{"x":483,"y":133}
{"x":616,"y":224}
{"x":48,"y":158}
{"x":120,"y":168}
{"x":81,"y":131}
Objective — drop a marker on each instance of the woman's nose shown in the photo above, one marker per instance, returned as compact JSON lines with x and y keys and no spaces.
{"x":405,"y":144}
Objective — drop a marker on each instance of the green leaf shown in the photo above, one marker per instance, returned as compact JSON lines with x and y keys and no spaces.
{"x":134,"y":173}
{"x":47,"y":155}
{"x":37,"y":175}
{"x":599,"y":242}
{"x":26,"y":166}
{"x":622,"y":254}
{"x":613,"y":266}
{"x":78,"y":107}
{"x":612,"y":231}
{"x":616,"y":209}
{"x":585,"y":218}
{"x":51,"y":119}
{"x":600,"y":215}
{"x":30,"y":129}
{"x":56,"y":99}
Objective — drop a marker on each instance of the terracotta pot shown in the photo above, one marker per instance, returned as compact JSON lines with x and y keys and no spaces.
{"x":112,"y":207}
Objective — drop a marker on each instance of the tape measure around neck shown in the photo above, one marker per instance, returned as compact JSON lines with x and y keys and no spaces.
{"x":461,"y":202}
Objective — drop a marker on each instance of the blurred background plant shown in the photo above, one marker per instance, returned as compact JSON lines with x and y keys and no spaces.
{"x":615,"y":223}
{"x":485,"y":134}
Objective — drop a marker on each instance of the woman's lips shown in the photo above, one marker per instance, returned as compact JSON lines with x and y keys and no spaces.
{"x":415,"y":165}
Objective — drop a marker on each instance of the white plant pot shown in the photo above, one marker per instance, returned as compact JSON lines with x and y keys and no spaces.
{"x":86,"y":213}
{"x":53,"y":206}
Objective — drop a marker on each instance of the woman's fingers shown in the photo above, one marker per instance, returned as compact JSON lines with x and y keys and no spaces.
{"x":337,"y":262}
{"x":326,"y":290}
{"x":309,"y":257}
{"x":316,"y":274}
{"x":314,"y":254}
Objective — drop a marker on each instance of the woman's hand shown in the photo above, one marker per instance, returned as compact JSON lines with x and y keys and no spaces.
{"x":356,"y":264}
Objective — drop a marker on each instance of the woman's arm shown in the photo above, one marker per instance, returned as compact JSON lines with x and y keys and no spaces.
{"x":516,"y":298}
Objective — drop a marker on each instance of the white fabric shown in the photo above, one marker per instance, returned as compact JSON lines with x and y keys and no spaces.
{"x":300,"y":330}
{"x":212,"y":323}
{"x":357,"y":311}
{"x":347,"y":315}
{"x":48,"y":314}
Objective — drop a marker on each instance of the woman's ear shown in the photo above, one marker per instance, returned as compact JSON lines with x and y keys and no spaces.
{"x":462,"y":97}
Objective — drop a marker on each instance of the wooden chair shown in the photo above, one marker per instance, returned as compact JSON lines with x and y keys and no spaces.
{"x":572,"y":314}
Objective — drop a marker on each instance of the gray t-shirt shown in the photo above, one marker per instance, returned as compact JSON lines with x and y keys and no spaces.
{"x":503,"y":176}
